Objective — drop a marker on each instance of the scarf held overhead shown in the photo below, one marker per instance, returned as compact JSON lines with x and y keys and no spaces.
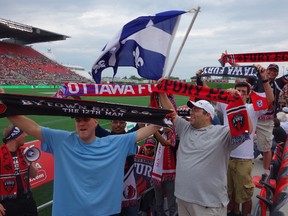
{"x":11,"y":104}
{"x":239,"y":71}
{"x":88,"y":89}
{"x":250,"y":72}
{"x":185,"y":89}
{"x":180,"y":88}
{"x":254,"y":57}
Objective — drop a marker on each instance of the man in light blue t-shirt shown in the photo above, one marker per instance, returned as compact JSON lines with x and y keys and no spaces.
{"x":88,"y":170}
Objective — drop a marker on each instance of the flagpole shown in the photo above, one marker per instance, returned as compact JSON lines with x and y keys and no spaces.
{"x":184,"y":40}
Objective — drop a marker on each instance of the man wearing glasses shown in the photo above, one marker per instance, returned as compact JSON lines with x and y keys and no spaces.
{"x":202,"y":160}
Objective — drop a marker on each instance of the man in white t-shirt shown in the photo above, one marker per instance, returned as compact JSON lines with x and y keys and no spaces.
{"x":240,"y":185}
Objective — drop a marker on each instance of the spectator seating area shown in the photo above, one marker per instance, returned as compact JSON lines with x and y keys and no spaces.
{"x":273,"y":197}
{"x":22,"y":65}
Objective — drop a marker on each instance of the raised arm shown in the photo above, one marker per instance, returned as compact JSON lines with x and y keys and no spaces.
{"x":266,"y":85}
{"x":232,"y":64}
{"x":166,"y":104}
{"x":25,"y":124}
{"x":199,"y":81}
{"x":145,"y":132}
{"x":161,"y":140}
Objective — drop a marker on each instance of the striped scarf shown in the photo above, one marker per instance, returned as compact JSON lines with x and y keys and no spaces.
{"x":164,"y":168}
{"x":233,"y":101}
{"x":8,"y":182}
{"x":254,"y":57}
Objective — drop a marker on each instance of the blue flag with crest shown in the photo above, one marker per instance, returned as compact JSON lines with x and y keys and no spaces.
{"x":144,"y":43}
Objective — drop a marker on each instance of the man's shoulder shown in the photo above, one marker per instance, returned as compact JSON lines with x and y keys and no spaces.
{"x":52,"y":130}
{"x":279,"y":82}
{"x":220,"y":131}
{"x":119,"y":136}
{"x":219,"y":127}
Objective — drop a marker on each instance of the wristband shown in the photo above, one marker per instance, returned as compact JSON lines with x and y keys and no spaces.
{"x":265,"y":81}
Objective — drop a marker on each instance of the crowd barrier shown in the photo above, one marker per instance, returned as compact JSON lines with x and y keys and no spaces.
{"x":273,"y":196}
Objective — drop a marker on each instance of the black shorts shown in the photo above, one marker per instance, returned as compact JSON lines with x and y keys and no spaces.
{"x":20,"y":207}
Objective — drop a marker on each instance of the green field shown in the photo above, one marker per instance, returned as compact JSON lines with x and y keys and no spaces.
{"x":43,"y":194}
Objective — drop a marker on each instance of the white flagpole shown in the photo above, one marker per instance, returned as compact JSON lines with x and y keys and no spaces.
{"x":170,"y":44}
{"x":184,"y":40}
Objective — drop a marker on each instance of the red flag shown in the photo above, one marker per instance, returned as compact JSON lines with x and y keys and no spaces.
{"x":259,"y":100}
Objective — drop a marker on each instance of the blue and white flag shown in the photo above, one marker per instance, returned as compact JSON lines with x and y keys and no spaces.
{"x":143,"y":43}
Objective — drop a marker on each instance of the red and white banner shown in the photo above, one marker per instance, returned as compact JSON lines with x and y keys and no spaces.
{"x":45,"y":165}
{"x":88,"y":89}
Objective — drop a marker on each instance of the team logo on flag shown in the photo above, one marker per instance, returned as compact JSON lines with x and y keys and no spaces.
{"x":259,"y":103}
{"x":238,"y":121}
{"x":129,"y":192}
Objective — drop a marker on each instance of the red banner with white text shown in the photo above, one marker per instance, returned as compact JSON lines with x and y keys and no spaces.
{"x":89,"y":89}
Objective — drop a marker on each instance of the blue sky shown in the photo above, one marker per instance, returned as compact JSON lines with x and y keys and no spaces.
{"x":232,"y":25}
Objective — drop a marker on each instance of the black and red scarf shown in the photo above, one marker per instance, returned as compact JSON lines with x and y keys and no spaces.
{"x":254,"y":57}
{"x":8,"y":182}
{"x":238,"y":119}
{"x":11,"y":104}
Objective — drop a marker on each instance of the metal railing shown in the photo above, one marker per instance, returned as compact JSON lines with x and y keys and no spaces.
{"x":45,"y":205}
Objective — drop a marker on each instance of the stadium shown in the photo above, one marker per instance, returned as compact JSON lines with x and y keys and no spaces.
{"x":24,"y":70}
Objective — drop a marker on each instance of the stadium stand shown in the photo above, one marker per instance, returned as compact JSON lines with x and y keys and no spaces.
{"x":20,"y":64}
{"x":24,"y":65}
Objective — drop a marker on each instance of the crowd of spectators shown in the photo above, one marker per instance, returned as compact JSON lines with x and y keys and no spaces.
{"x":25,"y":66}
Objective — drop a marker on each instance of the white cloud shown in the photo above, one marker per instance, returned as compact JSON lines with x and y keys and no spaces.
{"x":238,"y":26}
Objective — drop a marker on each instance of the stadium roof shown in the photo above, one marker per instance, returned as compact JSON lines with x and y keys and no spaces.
{"x":14,"y":32}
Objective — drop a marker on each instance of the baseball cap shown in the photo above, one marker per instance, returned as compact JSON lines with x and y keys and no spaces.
{"x":204,"y":105}
{"x":285,"y":109}
{"x":150,"y":142}
{"x":273,"y":67}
